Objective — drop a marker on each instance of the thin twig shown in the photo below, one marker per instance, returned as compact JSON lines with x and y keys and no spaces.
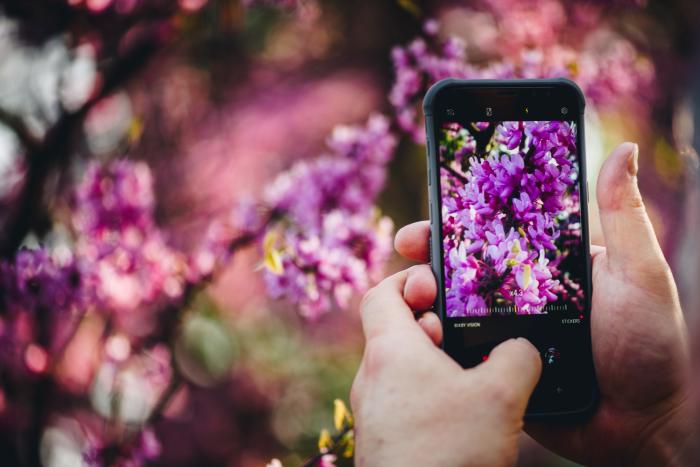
{"x":177,"y":380}
{"x":453,"y":172}
{"x":312,"y":461}
{"x":30,"y":212}
{"x":55,"y":149}
{"x":16,"y":124}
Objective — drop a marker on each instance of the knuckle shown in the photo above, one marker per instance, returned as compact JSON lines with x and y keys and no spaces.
{"x":636,"y":203}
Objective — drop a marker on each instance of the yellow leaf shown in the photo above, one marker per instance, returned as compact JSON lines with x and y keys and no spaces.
{"x":269,"y":240}
{"x":271,"y":256}
{"x":410,"y":6}
{"x":273,"y":262}
{"x":135,"y":129}
{"x":527,"y":274}
{"x":573,"y":68}
{"x":324,"y":441}
{"x":341,"y":414}
{"x":349,"y":445}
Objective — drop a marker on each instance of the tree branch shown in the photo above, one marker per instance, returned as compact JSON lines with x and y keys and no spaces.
{"x":174,"y":312}
{"x":16,"y":124}
{"x":55,"y":149}
{"x":453,"y":172}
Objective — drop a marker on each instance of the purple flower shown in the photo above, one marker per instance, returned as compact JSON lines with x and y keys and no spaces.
{"x":328,"y":241}
{"x":533,"y":42}
{"x":504,"y":212}
{"x":318,"y":270}
{"x":349,"y":178}
{"x":114,"y":198}
{"x":118,"y":241}
{"x":462,"y":284}
{"x":511,"y":134}
{"x":37,"y":279}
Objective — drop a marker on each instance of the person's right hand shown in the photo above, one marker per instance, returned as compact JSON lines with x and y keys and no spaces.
{"x":639,"y":336}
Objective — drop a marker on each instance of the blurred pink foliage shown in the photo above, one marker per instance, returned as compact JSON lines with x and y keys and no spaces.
{"x":125,"y":252}
{"x":330,"y":241}
{"x":120,"y":285}
{"x":546,"y":39}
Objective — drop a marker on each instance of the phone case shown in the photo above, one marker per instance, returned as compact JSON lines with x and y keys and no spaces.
{"x":435,"y":247}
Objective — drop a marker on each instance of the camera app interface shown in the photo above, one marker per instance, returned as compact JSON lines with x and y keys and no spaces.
{"x":511,"y":218}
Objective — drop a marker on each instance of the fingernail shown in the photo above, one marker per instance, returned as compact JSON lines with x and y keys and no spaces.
{"x":632,"y":162}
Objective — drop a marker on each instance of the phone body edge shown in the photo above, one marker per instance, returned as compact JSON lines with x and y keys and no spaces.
{"x":435,"y":247}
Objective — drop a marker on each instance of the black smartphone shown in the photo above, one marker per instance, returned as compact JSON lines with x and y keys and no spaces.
{"x":509,"y":228}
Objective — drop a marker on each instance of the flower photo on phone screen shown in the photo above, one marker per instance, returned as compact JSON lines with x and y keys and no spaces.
{"x":511,"y":218}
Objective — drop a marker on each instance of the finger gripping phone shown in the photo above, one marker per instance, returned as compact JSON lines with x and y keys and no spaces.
{"x":509,"y":229}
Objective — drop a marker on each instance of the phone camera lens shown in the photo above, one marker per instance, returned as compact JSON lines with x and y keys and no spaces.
{"x":450,"y":112}
{"x":489,"y":111}
{"x":564,"y":110}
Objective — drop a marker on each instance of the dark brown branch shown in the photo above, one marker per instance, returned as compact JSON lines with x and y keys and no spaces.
{"x":56,"y":148}
{"x":174,"y":313}
{"x":452,"y":171}
{"x":16,"y":124}
{"x":31,"y":213}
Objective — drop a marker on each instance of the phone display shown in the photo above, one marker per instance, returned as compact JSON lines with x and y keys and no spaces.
{"x":509,"y":233}
{"x":511,"y":218}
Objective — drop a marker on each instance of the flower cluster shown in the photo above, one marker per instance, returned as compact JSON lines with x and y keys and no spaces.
{"x":35,"y":283}
{"x":544,"y":39}
{"x":327,"y":240}
{"x":131,"y":264}
{"x":510,"y":215}
{"x":119,"y":265}
{"x":37,"y":280}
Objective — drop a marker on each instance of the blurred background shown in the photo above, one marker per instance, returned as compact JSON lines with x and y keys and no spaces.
{"x":195,"y":193}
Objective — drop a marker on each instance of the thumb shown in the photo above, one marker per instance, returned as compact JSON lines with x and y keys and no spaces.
{"x":629,"y":235}
{"x":513,"y":369}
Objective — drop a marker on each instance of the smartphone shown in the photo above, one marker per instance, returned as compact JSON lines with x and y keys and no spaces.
{"x":509,"y":229}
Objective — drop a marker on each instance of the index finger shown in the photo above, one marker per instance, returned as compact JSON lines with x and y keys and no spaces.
{"x":412,"y":241}
{"x":384,"y":308}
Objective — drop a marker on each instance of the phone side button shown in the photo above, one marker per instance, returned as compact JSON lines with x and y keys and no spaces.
{"x":430,"y":211}
{"x":430,"y":247}
{"x":588,"y":194}
{"x":427,"y":159}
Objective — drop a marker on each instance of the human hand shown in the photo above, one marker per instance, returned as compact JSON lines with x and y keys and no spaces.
{"x":414,"y":405}
{"x":640,"y":346}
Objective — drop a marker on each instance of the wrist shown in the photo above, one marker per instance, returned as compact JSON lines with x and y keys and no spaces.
{"x":672,"y":438}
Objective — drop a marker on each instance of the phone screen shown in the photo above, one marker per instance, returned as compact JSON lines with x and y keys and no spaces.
{"x":511,"y":218}
{"x":508,"y":203}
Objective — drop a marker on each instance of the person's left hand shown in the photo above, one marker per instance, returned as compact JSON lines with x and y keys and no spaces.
{"x":414,"y":405}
